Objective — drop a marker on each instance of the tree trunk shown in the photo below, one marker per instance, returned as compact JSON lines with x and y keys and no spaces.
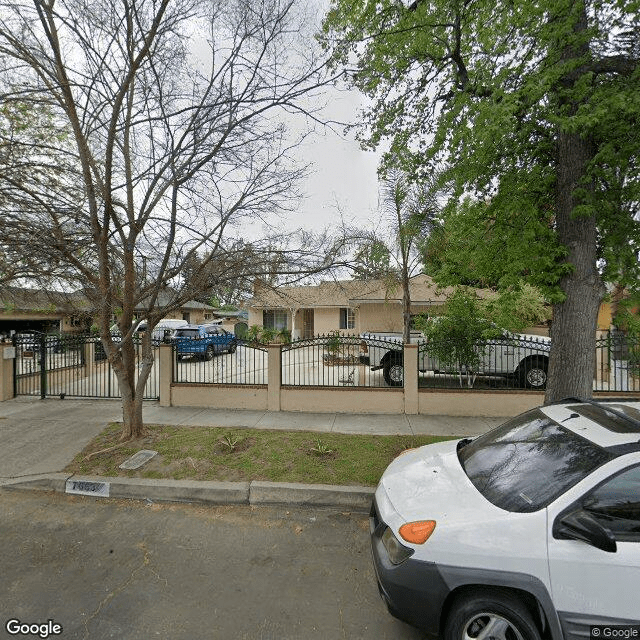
{"x":573,"y":329}
{"x":123,"y":362}
{"x":406,"y":292}
{"x":133,"y":394}
{"x":133,"y":426}
{"x":406,"y":308}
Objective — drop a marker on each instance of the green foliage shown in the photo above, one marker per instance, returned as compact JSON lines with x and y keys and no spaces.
{"x":517,"y":307}
{"x":481,"y":244}
{"x":333,"y":343}
{"x":241,"y":331}
{"x":268,"y":335}
{"x":230,"y":442}
{"x":455,"y":337}
{"x":372,"y":260}
{"x":486,"y":88}
{"x":321,"y":448}
{"x":627,"y":316}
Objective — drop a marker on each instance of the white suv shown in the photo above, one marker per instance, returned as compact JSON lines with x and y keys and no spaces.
{"x":529,"y":531}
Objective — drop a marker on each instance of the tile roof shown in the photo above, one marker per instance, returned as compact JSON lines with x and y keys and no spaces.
{"x":25,"y":299}
{"x":345,"y":293}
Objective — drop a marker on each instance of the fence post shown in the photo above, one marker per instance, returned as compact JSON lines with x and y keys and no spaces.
{"x":8,"y":356}
{"x":411,"y":379}
{"x":89,"y":355}
{"x":165,"y":373}
{"x":274,"y":379}
{"x":602,"y":361}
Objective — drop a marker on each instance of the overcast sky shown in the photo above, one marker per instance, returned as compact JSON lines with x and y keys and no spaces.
{"x":343,"y":179}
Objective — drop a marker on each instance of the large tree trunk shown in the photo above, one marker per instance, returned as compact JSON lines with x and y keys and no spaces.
{"x":573,"y":330}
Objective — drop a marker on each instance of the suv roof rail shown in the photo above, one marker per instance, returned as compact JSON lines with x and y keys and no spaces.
{"x":596,"y":403}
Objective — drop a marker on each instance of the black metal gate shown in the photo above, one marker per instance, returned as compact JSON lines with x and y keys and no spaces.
{"x":68,"y":365}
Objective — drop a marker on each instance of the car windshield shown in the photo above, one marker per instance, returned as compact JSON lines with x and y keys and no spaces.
{"x":187,"y":333}
{"x":529,"y":461}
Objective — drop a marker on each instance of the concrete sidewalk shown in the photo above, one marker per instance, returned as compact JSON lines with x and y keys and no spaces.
{"x":38,"y":438}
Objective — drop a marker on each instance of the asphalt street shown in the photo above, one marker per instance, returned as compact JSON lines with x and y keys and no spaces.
{"x":138,"y":570}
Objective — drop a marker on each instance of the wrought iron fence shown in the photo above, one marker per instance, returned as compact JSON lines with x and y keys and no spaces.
{"x":237,"y":362}
{"x":46,"y":364}
{"x":508,"y":362}
{"x":334,"y":361}
{"x":71,"y":365}
{"x":617,"y":362}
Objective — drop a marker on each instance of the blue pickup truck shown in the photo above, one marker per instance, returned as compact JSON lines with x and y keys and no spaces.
{"x":203,"y":341}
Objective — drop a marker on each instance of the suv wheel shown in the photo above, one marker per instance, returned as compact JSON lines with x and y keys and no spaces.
{"x":532,"y":373}
{"x":393,"y":371}
{"x":494,"y":616}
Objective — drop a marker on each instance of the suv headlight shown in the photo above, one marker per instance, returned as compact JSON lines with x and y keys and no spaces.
{"x":397,"y":552}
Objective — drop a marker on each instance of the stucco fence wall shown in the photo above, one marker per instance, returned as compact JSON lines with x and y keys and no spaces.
{"x":274,"y":396}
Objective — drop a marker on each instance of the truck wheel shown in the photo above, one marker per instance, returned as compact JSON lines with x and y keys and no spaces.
{"x":532,"y":373}
{"x":209,"y":353}
{"x":393,"y":372}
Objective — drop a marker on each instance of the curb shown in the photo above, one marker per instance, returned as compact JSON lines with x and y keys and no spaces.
{"x":254,"y":493}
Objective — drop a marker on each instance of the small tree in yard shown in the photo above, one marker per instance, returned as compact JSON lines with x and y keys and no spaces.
{"x":456,"y":338}
{"x":168,"y":115}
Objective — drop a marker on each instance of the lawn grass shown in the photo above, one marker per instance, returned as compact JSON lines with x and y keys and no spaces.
{"x":217,"y":453}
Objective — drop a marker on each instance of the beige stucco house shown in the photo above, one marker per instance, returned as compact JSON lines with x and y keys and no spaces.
{"x":348,"y":306}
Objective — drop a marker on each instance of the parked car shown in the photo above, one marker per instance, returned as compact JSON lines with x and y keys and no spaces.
{"x":520,"y":356}
{"x":204,"y":341}
{"x":164,"y":330}
{"x":529,"y":531}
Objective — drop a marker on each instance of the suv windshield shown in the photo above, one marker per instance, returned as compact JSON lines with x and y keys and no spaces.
{"x":529,"y":461}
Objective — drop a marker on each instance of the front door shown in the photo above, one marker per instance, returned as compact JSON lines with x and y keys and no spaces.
{"x":307,"y":324}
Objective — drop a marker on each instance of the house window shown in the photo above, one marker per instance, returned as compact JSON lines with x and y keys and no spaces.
{"x":208,"y":316}
{"x":347,"y":319}
{"x":274,"y":319}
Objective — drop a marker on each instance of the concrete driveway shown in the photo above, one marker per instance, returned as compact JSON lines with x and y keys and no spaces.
{"x":43,"y":436}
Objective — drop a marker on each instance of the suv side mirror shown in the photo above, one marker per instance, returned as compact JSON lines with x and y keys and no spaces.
{"x":579,"y":525}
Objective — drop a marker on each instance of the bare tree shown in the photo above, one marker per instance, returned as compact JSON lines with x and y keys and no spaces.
{"x":171,"y":115}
